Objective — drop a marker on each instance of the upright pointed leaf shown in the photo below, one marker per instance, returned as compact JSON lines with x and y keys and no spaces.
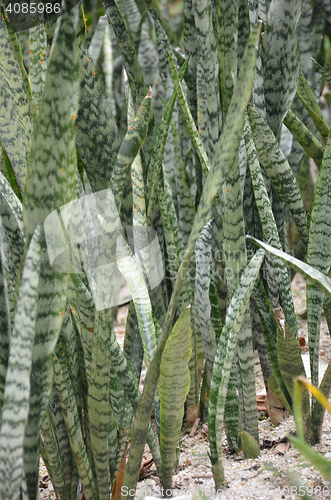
{"x":278,"y":169}
{"x":319,"y":255}
{"x":174,"y":384}
{"x":280,"y":59}
{"x":15,"y":134}
{"x":17,"y":388}
{"x":49,"y":184}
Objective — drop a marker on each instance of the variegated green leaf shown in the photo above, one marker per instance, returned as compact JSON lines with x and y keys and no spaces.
{"x":307,"y":98}
{"x":5,"y":325}
{"x":224,"y":158}
{"x":174,"y":384}
{"x":202,"y":283}
{"x":223,"y":362}
{"x":52,"y":163}
{"x":134,"y":276}
{"x":11,"y":214}
{"x":38,"y":60}
{"x":319,"y":255}
{"x":316,"y":277}
{"x":67,"y":400}
{"x":195,"y":137}
{"x":97,"y":135}
{"x":235,"y":258}
{"x":280,"y":59}
{"x":15,"y":134}
{"x":17,"y":387}
{"x":59,"y":430}
{"x":208,"y":107}
{"x":278,"y":169}
{"x":269,"y":227}
{"x":305,"y":138}
{"x":120,"y":180}
{"x":227,"y":147}
{"x":98,"y":399}
{"x":226,"y":35}
{"x":50,"y":183}
{"x":95,"y":46}
{"x":291,"y":366}
{"x":53,"y":458}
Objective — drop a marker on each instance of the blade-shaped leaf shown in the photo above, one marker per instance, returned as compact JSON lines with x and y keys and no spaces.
{"x":223,"y":362}
{"x":17,"y":387}
{"x":223,"y":161}
{"x":280,"y":59}
{"x":174,"y":384}
{"x":278,"y":169}
{"x":15,"y":134}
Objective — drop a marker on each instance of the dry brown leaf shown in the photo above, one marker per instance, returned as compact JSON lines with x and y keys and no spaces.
{"x":275,"y":408}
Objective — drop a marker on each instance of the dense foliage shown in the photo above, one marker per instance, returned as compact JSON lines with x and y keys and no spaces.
{"x":217,"y":149}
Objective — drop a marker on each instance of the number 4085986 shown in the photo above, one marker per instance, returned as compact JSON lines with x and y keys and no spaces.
{"x":33,"y":8}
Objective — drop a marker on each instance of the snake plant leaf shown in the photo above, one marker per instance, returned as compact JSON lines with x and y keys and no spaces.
{"x":226,"y":153}
{"x":131,"y":388}
{"x":59,"y":430}
{"x":120,"y":180}
{"x":38,"y":52}
{"x":188,"y":117}
{"x":97,"y":135}
{"x":52,"y":163}
{"x":305,"y":138}
{"x":174,"y":384}
{"x":95,"y":46}
{"x":53,"y":458}
{"x":226,"y":35}
{"x":17,"y":386}
{"x":208,"y":108}
{"x":5,"y":321}
{"x":280,"y":59}
{"x":291,"y":365}
{"x":154,"y":169}
{"x":138,"y":86}
{"x":319,"y":409}
{"x":307,"y":98}
{"x":137,"y":286}
{"x":319,"y":255}
{"x":11,"y":214}
{"x":223,"y":362}
{"x":98,"y":399}
{"x":269,"y":227}
{"x":228,"y":145}
{"x":15,"y":134}
{"x":186,"y":208}
{"x":316,"y":277}
{"x":235,"y":258}
{"x":270,"y":331}
{"x":202,"y":284}
{"x":147,"y":55}
{"x":67,"y":400}
{"x":50,"y":183}
{"x":250,"y":446}
{"x":278,"y":169}
{"x":156,"y":12}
